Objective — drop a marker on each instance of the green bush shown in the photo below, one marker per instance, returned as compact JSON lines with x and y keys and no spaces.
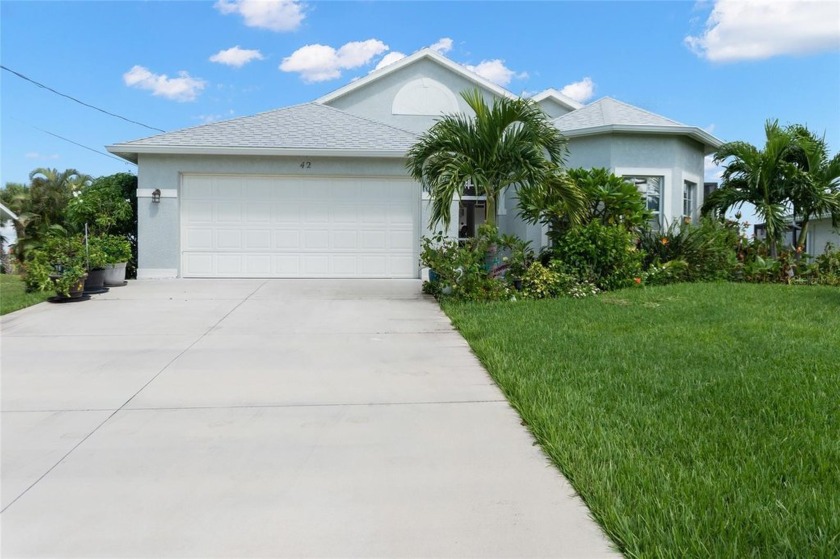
{"x":707,"y":251}
{"x":541,"y":282}
{"x":58,"y":263}
{"x":604,"y":255}
{"x":115,"y":248}
{"x":464,"y":270}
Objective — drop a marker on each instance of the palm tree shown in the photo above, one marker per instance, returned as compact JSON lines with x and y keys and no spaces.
{"x":815,"y":190}
{"x":757,"y":176}
{"x":509,"y":143}
{"x":50,"y":191}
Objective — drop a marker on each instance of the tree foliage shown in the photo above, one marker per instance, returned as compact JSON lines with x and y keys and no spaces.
{"x":599,"y":196}
{"x":511,"y":143}
{"x":792,"y":175}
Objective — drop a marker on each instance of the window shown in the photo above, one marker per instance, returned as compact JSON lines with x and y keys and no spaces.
{"x":689,"y":200}
{"x":651,"y":189}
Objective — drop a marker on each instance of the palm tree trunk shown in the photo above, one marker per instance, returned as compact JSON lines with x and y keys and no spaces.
{"x":491,"y":209}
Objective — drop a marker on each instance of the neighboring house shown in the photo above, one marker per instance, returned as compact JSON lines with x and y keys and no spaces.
{"x":820,"y":233}
{"x":7,"y":228}
{"x":321,"y":189}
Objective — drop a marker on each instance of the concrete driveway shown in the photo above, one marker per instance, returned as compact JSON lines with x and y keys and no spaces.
{"x":274,"y":418}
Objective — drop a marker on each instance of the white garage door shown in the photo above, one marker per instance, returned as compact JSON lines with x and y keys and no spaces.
{"x":283,"y":227}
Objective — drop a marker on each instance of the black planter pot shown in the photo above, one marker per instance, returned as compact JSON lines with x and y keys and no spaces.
{"x":95,"y":279}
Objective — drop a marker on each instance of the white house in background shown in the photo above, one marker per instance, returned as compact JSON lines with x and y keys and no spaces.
{"x":7,"y":228}
{"x":820,"y":233}
{"x":321,"y":189}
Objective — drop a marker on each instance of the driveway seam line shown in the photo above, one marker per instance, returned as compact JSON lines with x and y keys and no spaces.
{"x":95,"y":429}
{"x":269,"y":406}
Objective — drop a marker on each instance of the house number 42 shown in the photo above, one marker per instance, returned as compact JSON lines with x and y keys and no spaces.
{"x":305,"y":164}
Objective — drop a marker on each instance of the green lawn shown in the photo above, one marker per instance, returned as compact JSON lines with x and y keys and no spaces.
{"x":696,"y":420}
{"x":13,"y":295}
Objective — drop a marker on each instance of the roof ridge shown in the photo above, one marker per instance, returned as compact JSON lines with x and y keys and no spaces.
{"x":634,"y":107}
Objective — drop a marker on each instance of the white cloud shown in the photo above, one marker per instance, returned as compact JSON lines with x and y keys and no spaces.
{"x":37,"y":155}
{"x":390,"y":58}
{"x":236,"y":57}
{"x":581,"y":91}
{"x":182,"y":88}
{"x":443,"y":46}
{"x":496,"y":71}
{"x":276,"y":15}
{"x":739,"y":30}
{"x":711,"y":171}
{"x":318,"y":63}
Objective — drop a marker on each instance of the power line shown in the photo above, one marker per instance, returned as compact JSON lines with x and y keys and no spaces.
{"x":18,"y":74}
{"x":81,"y":145}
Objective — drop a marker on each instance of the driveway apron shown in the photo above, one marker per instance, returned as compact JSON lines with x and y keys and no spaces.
{"x":282,"y":418}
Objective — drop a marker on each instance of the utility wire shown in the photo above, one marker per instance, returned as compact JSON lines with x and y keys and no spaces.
{"x":18,"y":74}
{"x":81,"y":145}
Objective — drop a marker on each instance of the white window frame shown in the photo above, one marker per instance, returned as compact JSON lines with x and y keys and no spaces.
{"x":689,"y":187}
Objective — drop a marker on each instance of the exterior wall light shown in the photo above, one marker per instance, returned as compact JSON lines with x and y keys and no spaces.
{"x":156,"y":196}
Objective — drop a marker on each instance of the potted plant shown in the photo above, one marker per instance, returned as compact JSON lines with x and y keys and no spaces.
{"x":61,"y":259}
{"x":96,"y":262}
{"x":117,"y":252}
{"x":70,"y":283}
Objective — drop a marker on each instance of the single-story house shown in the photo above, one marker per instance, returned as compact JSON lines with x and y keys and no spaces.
{"x":820,"y":233}
{"x":321,"y":189}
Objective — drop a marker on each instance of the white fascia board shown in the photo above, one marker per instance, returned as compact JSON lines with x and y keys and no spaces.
{"x":402,"y":63}
{"x":126,"y":151}
{"x":552,"y":93}
{"x":710,"y":142}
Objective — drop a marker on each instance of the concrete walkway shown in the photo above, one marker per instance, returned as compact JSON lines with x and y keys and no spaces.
{"x":273,"y":418}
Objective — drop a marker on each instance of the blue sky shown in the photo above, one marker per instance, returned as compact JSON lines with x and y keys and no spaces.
{"x":724,"y":66}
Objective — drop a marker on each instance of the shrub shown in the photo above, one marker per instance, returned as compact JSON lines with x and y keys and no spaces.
{"x":57,"y":263}
{"x":605,"y":256}
{"x":464,"y":270}
{"x":708,"y":251}
{"x":115,"y":248}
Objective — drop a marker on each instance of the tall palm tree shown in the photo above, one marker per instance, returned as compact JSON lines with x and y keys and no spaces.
{"x":815,"y":190}
{"x":50,"y":191}
{"x":509,"y":143}
{"x":757,"y":176}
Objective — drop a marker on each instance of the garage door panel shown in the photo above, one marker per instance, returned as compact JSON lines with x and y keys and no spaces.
{"x":199,"y":264}
{"x":285,"y":266}
{"x":229,"y":211}
{"x":197,"y":211}
{"x":286,"y":213}
{"x":257,"y":239}
{"x":287,"y":239}
{"x":257,"y":212}
{"x":229,"y":239}
{"x":284,"y":227}
{"x":346,"y":239}
{"x":199,"y":239}
{"x":258,"y":265}
{"x":403,"y":240}
{"x":373,"y":240}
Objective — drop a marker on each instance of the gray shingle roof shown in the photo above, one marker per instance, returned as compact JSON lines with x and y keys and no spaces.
{"x":608,"y":112}
{"x":310,"y":126}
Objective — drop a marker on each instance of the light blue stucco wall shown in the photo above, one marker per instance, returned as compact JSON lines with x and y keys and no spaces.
{"x":552,"y":108}
{"x":676,"y":158}
{"x":375,"y":100}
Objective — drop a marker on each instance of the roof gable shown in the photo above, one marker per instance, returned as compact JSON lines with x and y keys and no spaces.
{"x":554,"y":95}
{"x":311,"y":127}
{"x":423,"y":54}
